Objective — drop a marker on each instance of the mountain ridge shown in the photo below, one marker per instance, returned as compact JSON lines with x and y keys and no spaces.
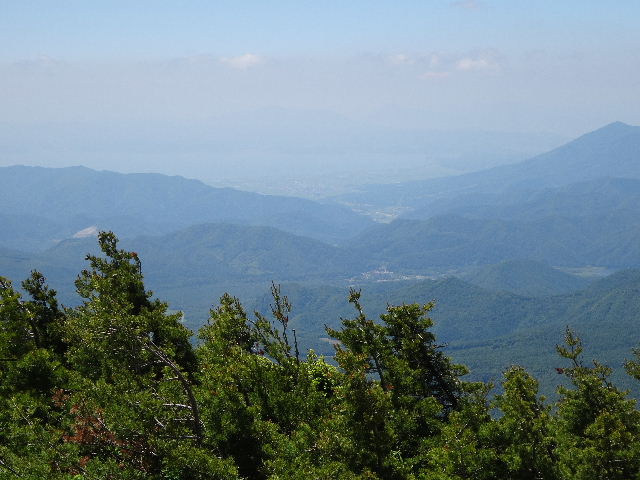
{"x":575,"y":161}
{"x":132,"y":204}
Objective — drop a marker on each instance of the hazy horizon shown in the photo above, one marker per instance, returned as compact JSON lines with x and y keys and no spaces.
{"x":262,"y":96}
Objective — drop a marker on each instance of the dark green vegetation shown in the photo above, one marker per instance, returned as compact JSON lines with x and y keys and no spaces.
{"x":488,"y":327}
{"x":113,"y":388}
{"x":451,"y":240}
{"x":525,"y":277}
{"x":488,"y":330}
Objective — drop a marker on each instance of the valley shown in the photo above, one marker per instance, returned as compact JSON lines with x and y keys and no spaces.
{"x":511,"y":255}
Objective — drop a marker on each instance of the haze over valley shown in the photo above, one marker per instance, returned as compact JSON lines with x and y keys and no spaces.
{"x":548,"y":227}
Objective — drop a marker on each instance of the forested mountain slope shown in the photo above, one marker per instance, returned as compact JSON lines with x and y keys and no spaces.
{"x":451,"y":240}
{"x":605,"y":315}
{"x":491,"y":330}
{"x":114,"y":388}
{"x":67,"y":200}
{"x":199,"y":257}
{"x":525,"y":277}
{"x":597,"y":197}
{"x":192,"y":268}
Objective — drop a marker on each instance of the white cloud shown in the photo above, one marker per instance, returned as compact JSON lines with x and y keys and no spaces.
{"x":467,"y":63}
{"x":476,"y":64}
{"x":401,"y":59}
{"x":243,"y":62}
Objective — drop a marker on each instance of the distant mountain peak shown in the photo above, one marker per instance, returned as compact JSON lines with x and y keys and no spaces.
{"x":612,"y":130}
{"x":616,"y":125}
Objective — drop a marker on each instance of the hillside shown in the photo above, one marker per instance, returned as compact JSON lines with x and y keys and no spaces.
{"x":209,"y":256}
{"x":611,"y":151}
{"x":525,"y":277}
{"x":71,"y":199}
{"x":224,"y":252}
{"x":484,"y":328}
{"x":463,"y":312}
{"x":451,"y":240}
{"x":596,"y":197}
{"x":491,"y":330}
{"x":605,"y":315}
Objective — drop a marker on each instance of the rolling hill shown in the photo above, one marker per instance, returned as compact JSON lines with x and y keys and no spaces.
{"x":201,"y":255}
{"x":525,"y":277}
{"x":416,"y":246}
{"x":66,"y":200}
{"x":598,"y":197}
{"x":501,"y":229}
{"x":486,"y":328}
{"x":489,"y":330}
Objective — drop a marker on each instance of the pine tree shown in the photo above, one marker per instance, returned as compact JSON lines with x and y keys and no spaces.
{"x":598,"y":425}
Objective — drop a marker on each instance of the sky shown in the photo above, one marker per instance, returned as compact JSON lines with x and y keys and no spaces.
{"x":164,"y":69}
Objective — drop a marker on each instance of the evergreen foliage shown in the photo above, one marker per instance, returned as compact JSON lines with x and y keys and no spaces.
{"x":115,"y":389}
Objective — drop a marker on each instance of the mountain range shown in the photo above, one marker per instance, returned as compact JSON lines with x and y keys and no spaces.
{"x":511,"y":254}
{"x":611,"y":151}
{"x":67,"y":200}
{"x":490,"y":330}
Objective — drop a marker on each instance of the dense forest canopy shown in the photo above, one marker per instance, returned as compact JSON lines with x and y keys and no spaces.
{"x":117,"y":388}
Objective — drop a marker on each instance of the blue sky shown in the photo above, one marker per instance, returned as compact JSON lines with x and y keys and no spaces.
{"x":562,"y":66}
{"x":157,"y":29}
{"x":91,"y":30}
{"x":354,"y":58}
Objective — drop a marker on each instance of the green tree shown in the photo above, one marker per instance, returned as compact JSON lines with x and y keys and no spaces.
{"x":262,"y":402}
{"x":400,"y":386}
{"x":114,"y":389}
{"x":465,"y":447}
{"x":131,"y":400}
{"x":31,"y":369}
{"x":598,"y":425}
{"x":523,"y":435}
